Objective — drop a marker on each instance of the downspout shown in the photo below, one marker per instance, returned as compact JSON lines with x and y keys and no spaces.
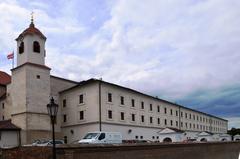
{"x":100,"y":106}
{"x":19,"y":137}
{"x":179,"y":116}
{"x":211,"y":124}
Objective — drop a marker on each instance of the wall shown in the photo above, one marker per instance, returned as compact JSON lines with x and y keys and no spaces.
{"x":9,"y":138}
{"x":221,"y":150}
{"x":192,"y":120}
{"x":73,"y":108}
{"x":130,"y":132}
{"x":58,"y":84}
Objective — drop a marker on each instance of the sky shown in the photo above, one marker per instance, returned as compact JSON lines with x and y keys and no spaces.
{"x":184,"y":51}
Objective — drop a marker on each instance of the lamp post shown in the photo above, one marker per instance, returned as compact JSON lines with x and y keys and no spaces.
{"x":52,"y":108}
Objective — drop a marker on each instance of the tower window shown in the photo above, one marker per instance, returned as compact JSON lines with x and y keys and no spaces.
{"x":21,"y":48}
{"x":36,"y":47}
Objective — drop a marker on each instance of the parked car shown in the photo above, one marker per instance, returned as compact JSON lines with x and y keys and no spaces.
{"x":47,"y":142}
{"x":102,"y":138}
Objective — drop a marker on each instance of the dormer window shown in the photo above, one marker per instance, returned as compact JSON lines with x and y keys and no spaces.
{"x":36,"y":47}
{"x":21,"y":48}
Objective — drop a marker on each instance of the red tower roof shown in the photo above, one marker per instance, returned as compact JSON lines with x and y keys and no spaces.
{"x":4,"y":78}
{"x":31,"y":30}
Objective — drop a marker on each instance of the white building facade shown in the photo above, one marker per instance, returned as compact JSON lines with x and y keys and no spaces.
{"x":99,"y":105}
{"x":92,"y":105}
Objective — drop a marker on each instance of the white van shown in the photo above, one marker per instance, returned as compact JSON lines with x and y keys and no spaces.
{"x":102,"y":138}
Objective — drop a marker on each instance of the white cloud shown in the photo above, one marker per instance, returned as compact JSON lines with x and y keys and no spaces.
{"x":233,"y":122}
{"x":187,"y":44}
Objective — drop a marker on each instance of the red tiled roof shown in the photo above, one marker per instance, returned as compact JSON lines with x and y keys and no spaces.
{"x":4,"y":78}
{"x":7,"y":125}
{"x":31,"y":30}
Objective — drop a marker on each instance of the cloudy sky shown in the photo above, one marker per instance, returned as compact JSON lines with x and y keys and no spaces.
{"x":185,"y":51}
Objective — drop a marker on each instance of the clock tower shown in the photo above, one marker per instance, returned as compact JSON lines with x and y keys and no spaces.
{"x":31,"y":86}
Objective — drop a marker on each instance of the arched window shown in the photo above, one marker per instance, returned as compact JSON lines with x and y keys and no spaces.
{"x":21,"y":48}
{"x":167,"y":139}
{"x":36,"y":47}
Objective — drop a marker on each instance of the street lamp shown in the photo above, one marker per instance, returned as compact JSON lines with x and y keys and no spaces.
{"x":52,"y":108}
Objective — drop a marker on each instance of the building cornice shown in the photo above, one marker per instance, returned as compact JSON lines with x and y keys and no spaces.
{"x":29,"y":113}
{"x":31,"y":64}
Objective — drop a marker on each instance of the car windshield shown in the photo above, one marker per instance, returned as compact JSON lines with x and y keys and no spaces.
{"x":90,"y":135}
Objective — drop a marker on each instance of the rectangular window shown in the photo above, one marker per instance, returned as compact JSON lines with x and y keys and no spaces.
{"x":133,"y":103}
{"x":64,"y":103}
{"x":193,"y":117}
{"x":186,"y":115}
{"x":109,"y":114}
{"x":142,"y":118}
{"x":122,"y":115}
{"x":181,"y":114}
{"x":186,"y":125}
{"x":3,"y":117}
{"x":133,"y":117}
{"x":190,"y":116}
{"x":171,"y":122}
{"x":64,"y":118}
{"x":165,"y":110}
{"x":176,"y":123}
{"x":150,"y":107}
{"x":142,"y":105}
{"x":122,"y":100}
{"x":176,"y":113}
{"x":165,"y":121}
{"x":158,"y":109}
{"x":158,"y":120}
{"x":81,"y":99}
{"x":109,"y":97}
{"x":81,"y":115}
{"x":2,"y":105}
{"x":171,"y":112}
{"x":151,"y":120}
{"x":181,"y":124}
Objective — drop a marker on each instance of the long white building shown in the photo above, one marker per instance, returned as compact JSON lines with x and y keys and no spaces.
{"x":91,"y":105}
